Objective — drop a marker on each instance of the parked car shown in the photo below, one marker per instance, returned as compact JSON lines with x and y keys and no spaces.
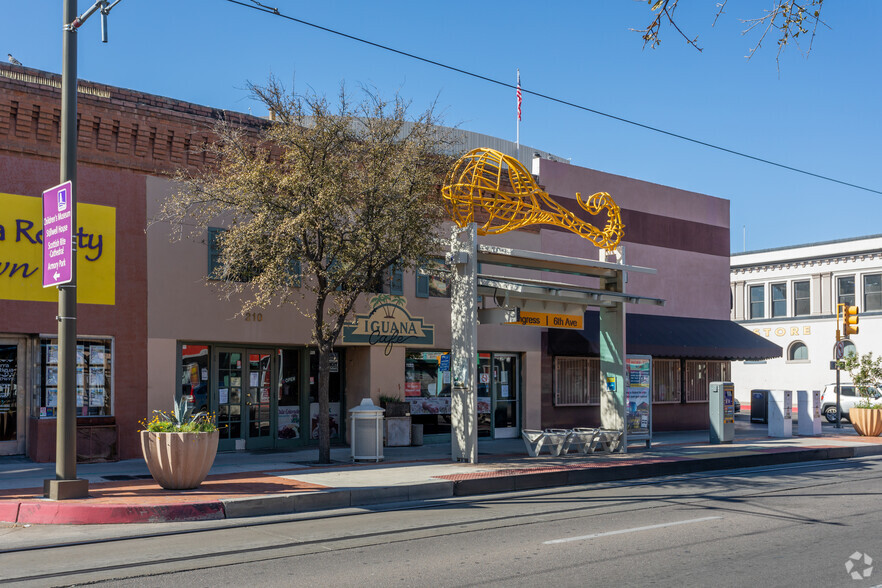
{"x":737,"y":406}
{"x":848,"y":397}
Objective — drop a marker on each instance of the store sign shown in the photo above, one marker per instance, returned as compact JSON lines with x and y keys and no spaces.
{"x":21,"y":251}
{"x":547,"y":319}
{"x":388,"y":323}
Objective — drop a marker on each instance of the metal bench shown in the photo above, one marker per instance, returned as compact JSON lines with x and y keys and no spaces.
{"x":556,"y":439}
{"x":534,"y":440}
{"x":606,"y":440}
{"x":581,"y":439}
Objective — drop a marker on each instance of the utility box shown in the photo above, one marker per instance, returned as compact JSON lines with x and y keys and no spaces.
{"x":808,"y":420}
{"x":780,"y":413}
{"x":759,"y":406}
{"x":367,"y":431}
{"x":722,"y":412}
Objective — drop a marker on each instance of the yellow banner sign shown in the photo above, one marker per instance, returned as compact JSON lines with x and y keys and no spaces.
{"x":547,"y":319}
{"x":21,"y":251}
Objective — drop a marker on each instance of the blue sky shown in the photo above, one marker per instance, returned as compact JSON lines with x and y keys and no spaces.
{"x":819,"y":113}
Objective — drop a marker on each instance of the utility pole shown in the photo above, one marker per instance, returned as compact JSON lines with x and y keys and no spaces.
{"x":66,"y":484}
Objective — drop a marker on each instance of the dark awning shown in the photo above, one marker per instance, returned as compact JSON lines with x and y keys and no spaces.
{"x":669,"y":336}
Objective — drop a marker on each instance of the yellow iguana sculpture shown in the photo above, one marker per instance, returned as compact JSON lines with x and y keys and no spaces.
{"x":475,"y":182}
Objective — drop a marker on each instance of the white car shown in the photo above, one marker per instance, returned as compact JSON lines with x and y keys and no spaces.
{"x":848,"y":397}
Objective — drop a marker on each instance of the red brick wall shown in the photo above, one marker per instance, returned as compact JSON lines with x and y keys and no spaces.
{"x":123,"y":136}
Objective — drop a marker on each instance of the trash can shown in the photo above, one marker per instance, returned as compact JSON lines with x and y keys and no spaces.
{"x":759,"y":406}
{"x":366,"y":438}
{"x":416,"y":435}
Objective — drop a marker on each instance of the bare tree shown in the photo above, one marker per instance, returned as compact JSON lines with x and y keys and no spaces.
{"x":792,"y":21}
{"x":325,"y":201}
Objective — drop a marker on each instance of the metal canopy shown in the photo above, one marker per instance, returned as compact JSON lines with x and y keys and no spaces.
{"x":509,"y":292}
{"x":550,"y":262}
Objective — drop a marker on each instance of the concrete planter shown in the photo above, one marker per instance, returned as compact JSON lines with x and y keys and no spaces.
{"x":179,"y":461}
{"x":866,"y":421}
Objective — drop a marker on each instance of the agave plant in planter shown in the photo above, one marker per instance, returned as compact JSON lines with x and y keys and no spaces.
{"x":179,"y":448}
{"x":865,"y":371}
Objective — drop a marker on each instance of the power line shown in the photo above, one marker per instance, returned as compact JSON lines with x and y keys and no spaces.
{"x":255,"y":5}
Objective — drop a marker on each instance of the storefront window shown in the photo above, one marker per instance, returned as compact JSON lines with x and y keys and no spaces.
{"x":194,"y":376}
{"x":93,"y":378}
{"x":427,"y":389}
{"x":335,"y":386}
{"x":288,"y":421}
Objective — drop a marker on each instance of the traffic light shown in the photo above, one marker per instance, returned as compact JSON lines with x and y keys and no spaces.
{"x":849,"y":320}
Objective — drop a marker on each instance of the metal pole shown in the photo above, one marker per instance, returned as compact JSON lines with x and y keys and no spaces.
{"x":838,"y":399}
{"x":66,"y":484}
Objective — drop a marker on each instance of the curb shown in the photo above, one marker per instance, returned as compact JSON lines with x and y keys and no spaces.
{"x":511,"y":480}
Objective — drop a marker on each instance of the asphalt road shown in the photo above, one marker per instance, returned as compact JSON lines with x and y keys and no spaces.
{"x":790,"y":526}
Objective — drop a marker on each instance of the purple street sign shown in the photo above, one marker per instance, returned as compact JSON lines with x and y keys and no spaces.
{"x":57,"y":235}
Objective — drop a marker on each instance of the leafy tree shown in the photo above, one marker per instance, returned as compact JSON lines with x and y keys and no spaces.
{"x":790,"y":21}
{"x":336,"y":194}
{"x":865,"y":372}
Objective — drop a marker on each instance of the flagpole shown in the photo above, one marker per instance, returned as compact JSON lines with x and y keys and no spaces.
{"x":518,"y":132}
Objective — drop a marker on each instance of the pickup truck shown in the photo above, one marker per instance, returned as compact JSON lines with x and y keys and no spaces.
{"x":848,"y":397}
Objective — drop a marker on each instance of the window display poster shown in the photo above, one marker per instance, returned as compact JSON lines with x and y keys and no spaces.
{"x":412,"y":389}
{"x":638,"y":399}
{"x":51,"y":397}
{"x":223,"y":396}
{"x":52,"y":354}
{"x":96,"y":378}
{"x":289,"y":422}
{"x":96,"y":354}
{"x":503,"y":390}
{"x":81,"y":397}
{"x":254,"y":379}
{"x":81,"y":376}
{"x":52,"y":376}
{"x":333,"y":420}
{"x":431,"y":405}
{"x":96,"y":397}
{"x":81,"y":355}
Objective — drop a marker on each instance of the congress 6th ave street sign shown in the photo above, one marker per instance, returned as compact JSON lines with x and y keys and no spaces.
{"x":57,"y":235}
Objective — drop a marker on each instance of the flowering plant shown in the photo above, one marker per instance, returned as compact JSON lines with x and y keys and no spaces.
{"x":180,"y":420}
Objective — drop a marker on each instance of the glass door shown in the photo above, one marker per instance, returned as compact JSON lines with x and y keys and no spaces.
{"x":257,"y":400}
{"x":506,"y":393}
{"x":244,"y":384}
{"x":11,"y":397}
{"x":230,"y":369}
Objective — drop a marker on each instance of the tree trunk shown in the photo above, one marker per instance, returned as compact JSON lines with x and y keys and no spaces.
{"x":324,"y":412}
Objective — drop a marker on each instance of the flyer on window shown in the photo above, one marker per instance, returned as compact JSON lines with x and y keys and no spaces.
{"x":81,"y":355}
{"x":52,"y":354}
{"x":96,"y":377}
{"x":51,"y":397}
{"x":81,"y":397}
{"x":51,"y":376}
{"x":81,"y":376}
{"x":96,"y":397}
{"x":96,"y":354}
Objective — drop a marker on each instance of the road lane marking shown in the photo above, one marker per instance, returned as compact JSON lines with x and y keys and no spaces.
{"x":634,"y":530}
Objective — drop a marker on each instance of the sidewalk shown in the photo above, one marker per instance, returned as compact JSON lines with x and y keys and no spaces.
{"x":246,"y":484}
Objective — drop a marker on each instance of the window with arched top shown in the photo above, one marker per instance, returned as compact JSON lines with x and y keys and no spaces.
{"x":798,"y":351}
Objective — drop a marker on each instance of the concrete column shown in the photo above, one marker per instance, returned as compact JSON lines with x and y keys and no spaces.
{"x":464,"y":345}
{"x":612,"y":365}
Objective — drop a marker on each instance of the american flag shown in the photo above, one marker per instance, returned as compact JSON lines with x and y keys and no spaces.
{"x":519,"y":94}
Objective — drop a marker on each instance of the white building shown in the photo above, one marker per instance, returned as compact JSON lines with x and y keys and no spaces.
{"x":789,"y":296}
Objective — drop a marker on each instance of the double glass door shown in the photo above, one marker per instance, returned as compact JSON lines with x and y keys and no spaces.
{"x":244,"y":398}
{"x":11,"y":397}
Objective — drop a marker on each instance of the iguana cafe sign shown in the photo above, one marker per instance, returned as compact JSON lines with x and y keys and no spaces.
{"x":21,"y":251}
{"x":388,"y":323}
